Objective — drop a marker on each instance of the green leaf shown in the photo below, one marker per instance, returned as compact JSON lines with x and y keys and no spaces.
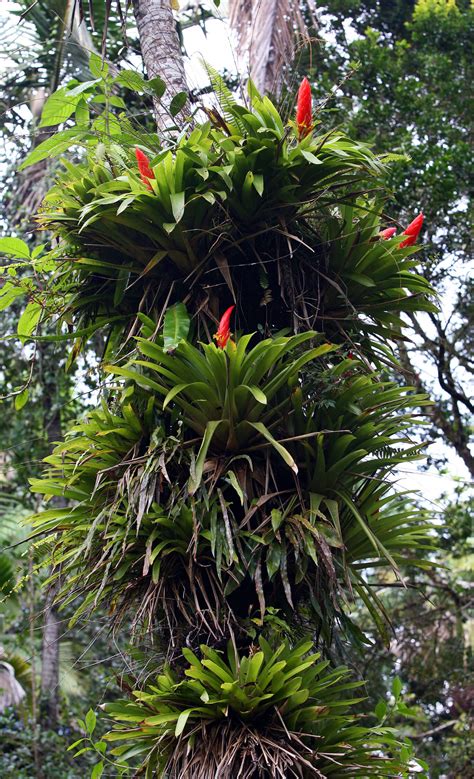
{"x":21,"y":399}
{"x":82,"y":113}
{"x":258,"y":183}
{"x":9,"y":293}
{"x":58,"y":107}
{"x":232,"y":479}
{"x":175,"y":327}
{"x":97,"y":770}
{"x":396,"y":687}
{"x":97,"y":66}
{"x":131,"y":79}
{"x":83,"y":87}
{"x":310,"y":157}
{"x":178,"y":102}
{"x":90,"y":722}
{"x":182,"y":720}
{"x":52,"y":147}
{"x":177,"y":205}
{"x":29,"y":319}
{"x":157,"y":86}
{"x":284,"y":453}
{"x":259,"y":396}
{"x":196,"y":477}
{"x":14,"y":246}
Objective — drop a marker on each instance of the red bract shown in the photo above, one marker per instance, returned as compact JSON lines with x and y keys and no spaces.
{"x":412,"y":232}
{"x":389,"y":232}
{"x":223,"y":331}
{"x":144,"y":168}
{"x":304,"y":109}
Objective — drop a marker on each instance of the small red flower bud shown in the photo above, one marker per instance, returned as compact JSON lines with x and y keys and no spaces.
{"x":412,"y":232}
{"x":304,"y":110}
{"x":144,"y":168}
{"x":389,"y":232}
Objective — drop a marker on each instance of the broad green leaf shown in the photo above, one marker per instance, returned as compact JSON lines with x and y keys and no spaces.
{"x":82,"y":114}
{"x":97,"y":771}
{"x":259,"y":396}
{"x":83,"y":87}
{"x":396,"y":687}
{"x":29,"y":319}
{"x":131,"y":79}
{"x":14,"y":247}
{"x":21,"y":399}
{"x":8,"y":294}
{"x":58,"y":107}
{"x":52,"y":147}
{"x":175,"y":327}
{"x":97,"y":66}
{"x":178,"y":102}
{"x":157,"y":86}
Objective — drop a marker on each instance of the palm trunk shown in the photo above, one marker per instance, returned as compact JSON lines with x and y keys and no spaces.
{"x":161,"y":53}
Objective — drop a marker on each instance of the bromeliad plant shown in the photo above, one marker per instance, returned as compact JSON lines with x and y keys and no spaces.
{"x":278,"y":221}
{"x":231,"y":397}
{"x":181,"y":502}
{"x":235,"y":487}
{"x":278,"y":712}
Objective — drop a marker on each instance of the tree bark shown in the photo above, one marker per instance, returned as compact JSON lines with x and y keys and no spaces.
{"x":49,"y":704}
{"x":161,"y":52}
{"x":49,"y":708}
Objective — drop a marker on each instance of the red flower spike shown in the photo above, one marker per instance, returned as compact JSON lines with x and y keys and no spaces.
{"x":304,"y":110}
{"x":144,"y":168}
{"x":223,"y":331}
{"x":412,"y":232}
{"x":389,"y":232}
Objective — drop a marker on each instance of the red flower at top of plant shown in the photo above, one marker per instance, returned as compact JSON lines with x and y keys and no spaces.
{"x":144,"y":167}
{"x":304,"y":109}
{"x":412,"y":232}
{"x":223,"y":331}
{"x":389,"y":232}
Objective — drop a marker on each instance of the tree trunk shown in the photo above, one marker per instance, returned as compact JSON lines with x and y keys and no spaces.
{"x":49,"y":708}
{"x":162,"y":55}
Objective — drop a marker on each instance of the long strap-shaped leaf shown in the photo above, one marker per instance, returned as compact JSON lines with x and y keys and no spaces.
{"x":196,"y":478}
{"x":284,"y":453}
